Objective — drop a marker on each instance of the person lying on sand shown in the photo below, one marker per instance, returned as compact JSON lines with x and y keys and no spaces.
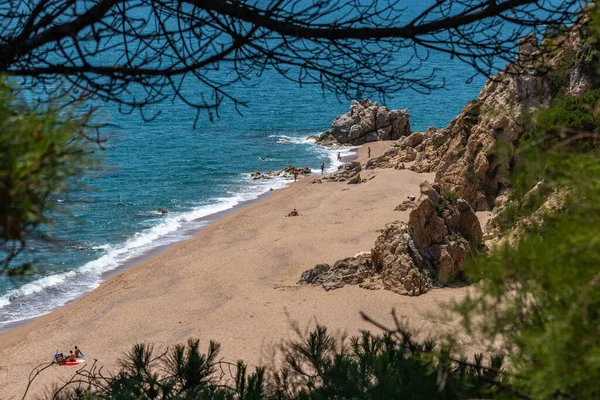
{"x":293,"y":213}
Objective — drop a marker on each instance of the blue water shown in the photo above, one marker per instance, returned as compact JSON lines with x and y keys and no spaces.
{"x":193,"y":173}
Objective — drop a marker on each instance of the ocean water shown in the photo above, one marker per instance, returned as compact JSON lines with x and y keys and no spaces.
{"x":193,"y":173}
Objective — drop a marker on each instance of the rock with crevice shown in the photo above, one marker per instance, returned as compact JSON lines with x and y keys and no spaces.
{"x":366,"y":121}
{"x":349,"y":271}
{"x":349,"y":173}
{"x":409,"y":258}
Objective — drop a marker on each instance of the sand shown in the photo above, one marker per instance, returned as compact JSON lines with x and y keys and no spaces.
{"x":235,"y":282}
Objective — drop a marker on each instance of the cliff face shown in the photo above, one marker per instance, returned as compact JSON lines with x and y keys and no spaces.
{"x":475,"y":153}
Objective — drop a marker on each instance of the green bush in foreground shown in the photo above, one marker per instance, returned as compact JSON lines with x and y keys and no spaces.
{"x":41,"y":151}
{"x":316,"y":366}
{"x":541,"y":295}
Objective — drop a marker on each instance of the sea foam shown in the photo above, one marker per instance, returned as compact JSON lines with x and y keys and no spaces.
{"x":45,"y":294}
{"x":49,"y":292}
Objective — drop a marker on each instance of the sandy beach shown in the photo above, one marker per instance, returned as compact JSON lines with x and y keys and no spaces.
{"x":235,"y":282}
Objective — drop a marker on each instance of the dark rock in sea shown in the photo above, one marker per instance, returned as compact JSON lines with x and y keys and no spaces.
{"x":287,"y":173}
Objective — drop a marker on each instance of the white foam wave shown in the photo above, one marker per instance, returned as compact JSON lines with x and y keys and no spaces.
{"x":285,"y":139}
{"x":35,"y":287}
{"x":332,"y":153}
{"x":174,"y":227}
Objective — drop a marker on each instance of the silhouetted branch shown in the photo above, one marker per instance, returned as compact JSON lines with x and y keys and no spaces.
{"x":142,"y":52}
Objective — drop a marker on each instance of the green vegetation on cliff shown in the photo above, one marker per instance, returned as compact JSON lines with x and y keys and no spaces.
{"x":540,"y":293}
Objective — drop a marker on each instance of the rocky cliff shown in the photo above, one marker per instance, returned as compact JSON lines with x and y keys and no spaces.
{"x":366,"y":122}
{"x":471,"y":159}
{"x":475,"y":153}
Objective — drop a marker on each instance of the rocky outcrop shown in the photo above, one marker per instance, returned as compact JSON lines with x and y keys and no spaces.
{"x":408,"y":258}
{"x":405,"y":205}
{"x":349,"y":172}
{"x":286,"y":173}
{"x":349,"y":271}
{"x":475,"y":153}
{"x":471,"y":159}
{"x":366,"y":121}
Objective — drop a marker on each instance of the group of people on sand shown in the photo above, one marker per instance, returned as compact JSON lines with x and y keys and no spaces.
{"x":62,"y":359}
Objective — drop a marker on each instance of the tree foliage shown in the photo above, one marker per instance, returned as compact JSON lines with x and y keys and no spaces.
{"x":315,"y":366}
{"x":40,"y":154}
{"x":541,"y":295}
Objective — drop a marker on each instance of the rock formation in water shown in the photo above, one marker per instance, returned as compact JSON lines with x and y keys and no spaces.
{"x":366,"y":121}
{"x":286,"y":173}
{"x":408,"y":258}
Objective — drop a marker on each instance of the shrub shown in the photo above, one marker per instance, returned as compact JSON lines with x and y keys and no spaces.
{"x":451,"y":195}
{"x":316,"y":366}
{"x":41,"y":151}
{"x":439,"y":142}
{"x":439,"y":207}
{"x":559,"y":75}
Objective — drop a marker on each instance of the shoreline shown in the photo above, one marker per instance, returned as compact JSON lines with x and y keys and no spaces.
{"x":187,"y":233}
{"x":235,"y":280}
{"x":153,"y":252}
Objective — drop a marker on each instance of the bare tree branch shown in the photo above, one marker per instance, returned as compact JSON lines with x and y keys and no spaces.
{"x":137,"y":53}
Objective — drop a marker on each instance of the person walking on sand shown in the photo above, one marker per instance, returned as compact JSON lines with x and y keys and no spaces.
{"x":322,"y":168}
{"x":369,"y":149}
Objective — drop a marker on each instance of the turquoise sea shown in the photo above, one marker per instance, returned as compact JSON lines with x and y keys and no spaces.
{"x":193,"y":173}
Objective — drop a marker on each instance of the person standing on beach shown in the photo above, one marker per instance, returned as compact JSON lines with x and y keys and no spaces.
{"x":295,"y":175}
{"x":339,"y":157}
{"x":369,"y":156}
{"x":322,"y":168}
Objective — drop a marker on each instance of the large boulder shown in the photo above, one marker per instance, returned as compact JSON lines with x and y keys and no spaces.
{"x":367,"y":121}
{"x":409,"y":258}
{"x":349,"y":172}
